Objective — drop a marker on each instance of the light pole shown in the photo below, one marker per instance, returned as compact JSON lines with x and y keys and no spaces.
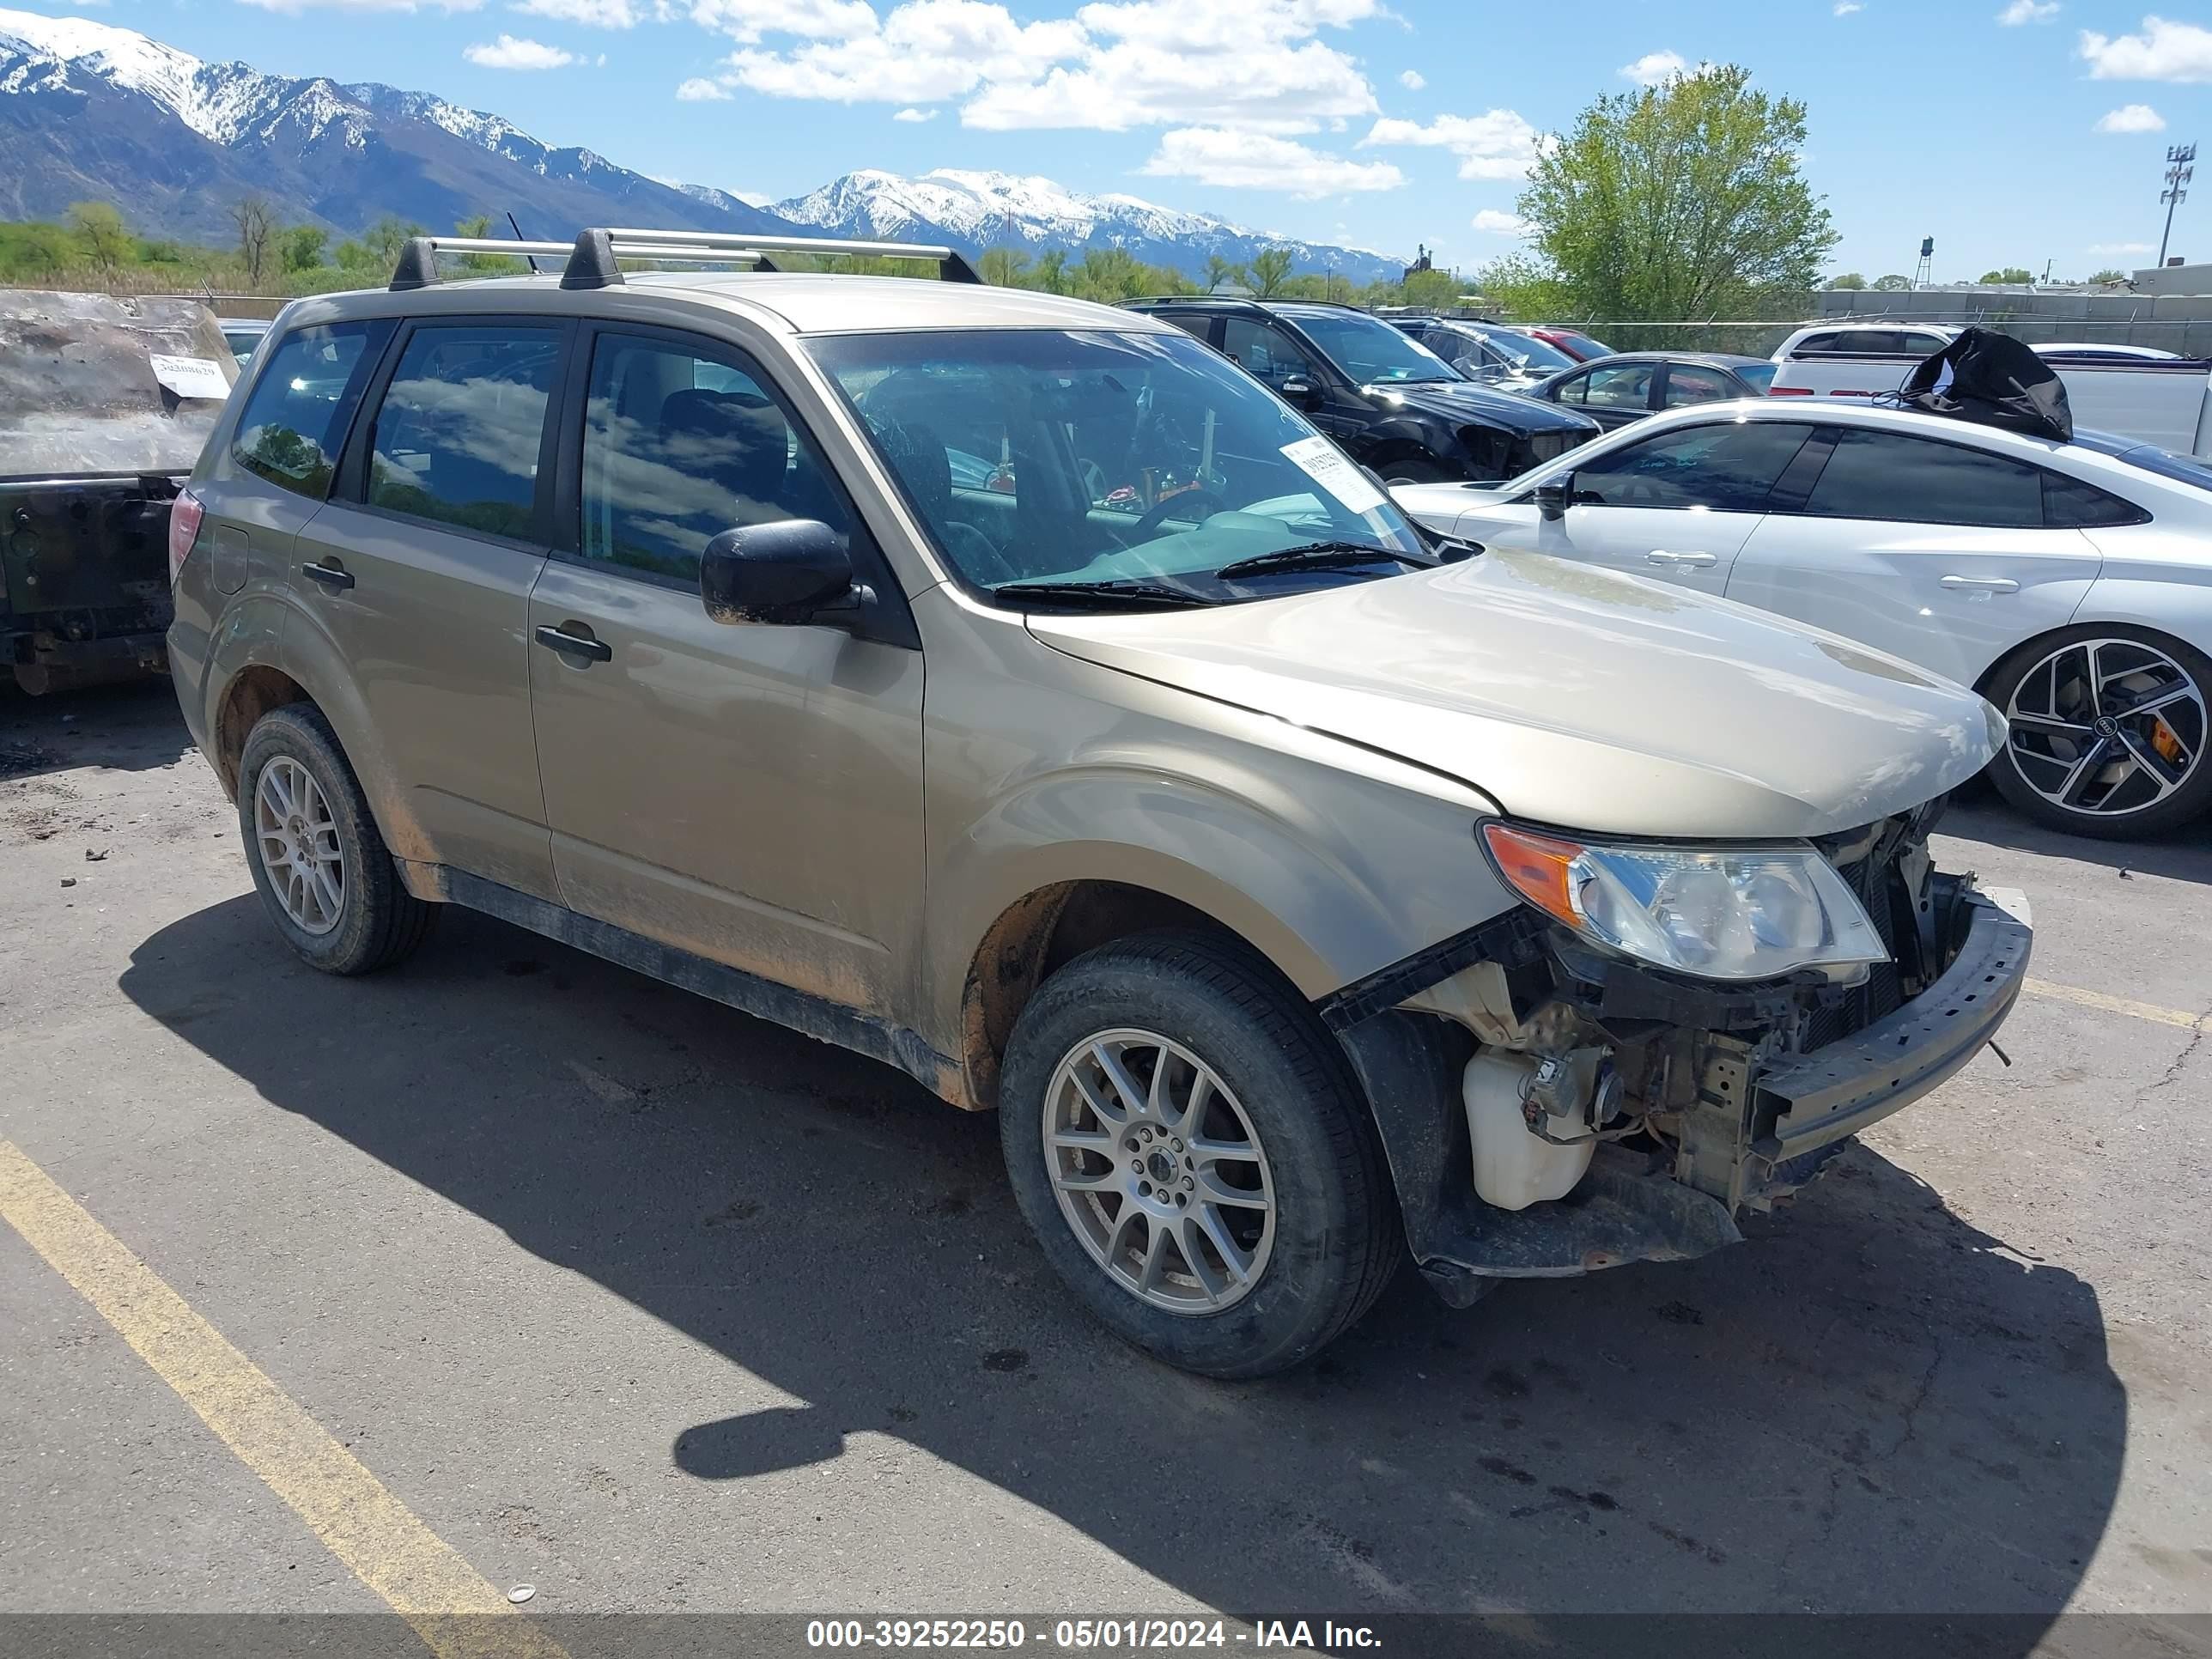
{"x":2179,"y":172}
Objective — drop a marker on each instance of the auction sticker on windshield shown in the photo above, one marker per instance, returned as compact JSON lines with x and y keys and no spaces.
{"x":1328,"y":466}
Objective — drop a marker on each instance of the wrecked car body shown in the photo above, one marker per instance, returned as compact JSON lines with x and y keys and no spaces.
{"x":104,"y":405}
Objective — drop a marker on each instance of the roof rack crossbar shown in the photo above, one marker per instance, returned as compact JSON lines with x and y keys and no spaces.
{"x":418,"y":259}
{"x":952,"y":265}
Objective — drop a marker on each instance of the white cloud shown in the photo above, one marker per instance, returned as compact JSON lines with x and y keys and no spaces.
{"x":591,"y":13}
{"x":2132,"y":117}
{"x":1412,"y":80}
{"x":509,"y":53}
{"x":916,"y":115}
{"x":1257,"y":161}
{"x":1497,"y":145}
{"x":1655,"y":67}
{"x":2120,"y":247}
{"x":698,"y":90}
{"x":1846,"y":8}
{"x":1499,"y":223}
{"x":746,"y":21}
{"x":2027,"y":11}
{"x":2163,"y":51}
{"x":1113,"y":65}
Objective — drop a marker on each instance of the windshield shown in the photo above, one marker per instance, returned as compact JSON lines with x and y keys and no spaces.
{"x":1369,"y":350}
{"x":1135,"y":459}
{"x":2182,"y":469}
{"x":1530,"y":352}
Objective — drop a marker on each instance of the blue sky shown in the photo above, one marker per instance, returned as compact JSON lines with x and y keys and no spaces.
{"x":2014,"y":132}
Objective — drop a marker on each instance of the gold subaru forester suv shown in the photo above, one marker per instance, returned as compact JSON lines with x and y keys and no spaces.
{"x":1013,"y":690}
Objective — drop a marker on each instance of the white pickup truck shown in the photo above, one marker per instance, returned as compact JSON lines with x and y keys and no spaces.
{"x":2165,"y":401}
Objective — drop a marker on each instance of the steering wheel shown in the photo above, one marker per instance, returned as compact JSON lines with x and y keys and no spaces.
{"x":1160,"y":510}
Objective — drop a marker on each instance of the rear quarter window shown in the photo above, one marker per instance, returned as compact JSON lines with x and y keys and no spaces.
{"x":296,"y":417}
{"x":2070,"y":503}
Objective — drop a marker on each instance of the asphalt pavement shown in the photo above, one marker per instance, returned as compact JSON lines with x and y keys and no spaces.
{"x":657,"y":1308}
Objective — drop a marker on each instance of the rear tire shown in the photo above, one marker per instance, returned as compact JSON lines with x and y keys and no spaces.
{"x":1311,"y":1219}
{"x":299,"y":804}
{"x":2069,"y":693}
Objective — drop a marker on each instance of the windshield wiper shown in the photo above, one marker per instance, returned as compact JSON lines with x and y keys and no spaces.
{"x":1101,"y":595}
{"x":1314,"y":555}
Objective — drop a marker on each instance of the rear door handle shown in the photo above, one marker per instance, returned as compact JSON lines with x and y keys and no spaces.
{"x":1659,"y":556}
{"x":574,"y":645}
{"x":336,"y":576}
{"x":1982,"y":584}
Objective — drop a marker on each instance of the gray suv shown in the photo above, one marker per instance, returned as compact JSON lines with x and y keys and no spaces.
{"x":1014,"y":690}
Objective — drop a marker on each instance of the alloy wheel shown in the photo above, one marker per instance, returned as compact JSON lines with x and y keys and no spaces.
{"x":2103,"y":728}
{"x":298,"y":846}
{"x":1159,"y":1171}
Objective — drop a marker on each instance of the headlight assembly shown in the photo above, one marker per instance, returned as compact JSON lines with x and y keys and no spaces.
{"x":1727,"y":912}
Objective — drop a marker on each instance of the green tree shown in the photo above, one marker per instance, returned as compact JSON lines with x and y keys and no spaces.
{"x":2107,"y":275}
{"x":352,"y":255}
{"x":1681,"y":200}
{"x":1220,"y":271}
{"x":1052,"y":272}
{"x":1891,"y":283}
{"x":2008,"y":274}
{"x":1109,"y":274}
{"x":1003,"y":266}
{"x":1430,"y":288}
{"x":98,"y":227}
{"x":386,"y":237}
{"x":300,"y":248}
{"x":1851,"y":280}
{"x":1269,"y":270}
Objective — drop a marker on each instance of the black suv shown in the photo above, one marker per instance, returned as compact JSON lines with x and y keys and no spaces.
{"x":1392,"y":404}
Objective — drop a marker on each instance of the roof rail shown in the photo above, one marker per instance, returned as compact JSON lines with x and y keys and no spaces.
{"x":594,"y":259}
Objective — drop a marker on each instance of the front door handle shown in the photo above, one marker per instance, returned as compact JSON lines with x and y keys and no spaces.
{"x":574,"y":645}
{"x":336,"y":577}
{"x":1697,"y":561}
{"x":1982,"y":584}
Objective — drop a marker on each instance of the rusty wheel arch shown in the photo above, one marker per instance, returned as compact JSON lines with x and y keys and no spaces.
{"x":1034,"y":936}
{"x":250,"y":694}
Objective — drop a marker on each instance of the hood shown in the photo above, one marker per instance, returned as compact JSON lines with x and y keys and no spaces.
{"x":1462,"y":401}
{"x":1576,"y":697}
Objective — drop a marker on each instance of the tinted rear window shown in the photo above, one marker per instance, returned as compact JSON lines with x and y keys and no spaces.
{"x":459,"y":432}
{"x":2070,"y":504}
{"x":1886,"y":475}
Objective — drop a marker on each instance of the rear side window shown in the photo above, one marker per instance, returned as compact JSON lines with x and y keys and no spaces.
{"x":1198,"y":324}
{"x":679,"y":446}
{"x":2068,"y":503}
{"x":296,"y":417}
{"x":1727,"y":467}
{"x":457,"y":437}
{"x":1625,"y":385}
{"x":1694,"y":383}
{"x":1885,"y":475}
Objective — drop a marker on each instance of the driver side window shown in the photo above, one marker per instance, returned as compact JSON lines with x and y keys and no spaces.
{"x":1264,"y":354}
{"x":1728,"y":467}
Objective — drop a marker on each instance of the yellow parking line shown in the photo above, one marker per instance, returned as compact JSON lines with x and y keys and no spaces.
{"x":2133,"y":1009}
{"x":424,"y":1580}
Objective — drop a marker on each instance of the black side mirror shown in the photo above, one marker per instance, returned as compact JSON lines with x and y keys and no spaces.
{"x":784,"y":573}
{"x":1300,"y":390}
{"x":1554,"y":495}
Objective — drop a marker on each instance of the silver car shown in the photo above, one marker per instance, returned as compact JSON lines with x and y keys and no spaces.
{"x":1012,"y":689}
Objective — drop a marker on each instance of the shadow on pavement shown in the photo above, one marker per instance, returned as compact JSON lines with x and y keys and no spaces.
{"x":2185,"y":854}
{"x":126,"y":727}
{"x":1870,"y":1405}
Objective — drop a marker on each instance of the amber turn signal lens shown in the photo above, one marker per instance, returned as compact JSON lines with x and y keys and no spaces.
{"x":1536,"y":866}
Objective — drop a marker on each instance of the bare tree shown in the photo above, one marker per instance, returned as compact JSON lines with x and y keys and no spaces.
{"x":255,"y":224}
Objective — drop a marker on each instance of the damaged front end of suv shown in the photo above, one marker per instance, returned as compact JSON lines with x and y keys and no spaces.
{"x":1662,"y":1036}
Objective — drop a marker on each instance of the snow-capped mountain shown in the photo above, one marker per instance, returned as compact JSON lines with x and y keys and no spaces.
{"x":89,"y":111}
{"x":979,"y":211}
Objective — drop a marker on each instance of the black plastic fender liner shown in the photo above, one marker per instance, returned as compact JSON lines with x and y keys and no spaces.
{"x":1628,"y":1208}
{"x":1508,"y":939}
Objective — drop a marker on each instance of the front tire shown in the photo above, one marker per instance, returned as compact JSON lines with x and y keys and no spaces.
{"x":1188,"y":1145}
{"x":2109,"y":731}
{"x":322,"y":871}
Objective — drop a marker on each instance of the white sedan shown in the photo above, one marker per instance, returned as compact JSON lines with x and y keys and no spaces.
{"x":2071,"y":584}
